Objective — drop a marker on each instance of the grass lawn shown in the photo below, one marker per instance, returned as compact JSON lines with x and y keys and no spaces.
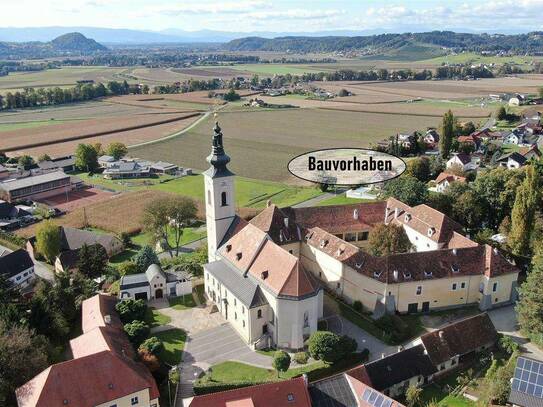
{"x":438,"y":391}
{"x":249,"y":192}
{"x":342,"y":200}
{"x":267,"y":352}
{"x":155,"y":318}
{"x":174,"y":343}
{"x":189,"y":235}
{"x":181,"y":303}
{"x":125,"y":255}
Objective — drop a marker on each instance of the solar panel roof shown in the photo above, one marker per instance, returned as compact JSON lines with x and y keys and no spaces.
{"x":528,"y":377}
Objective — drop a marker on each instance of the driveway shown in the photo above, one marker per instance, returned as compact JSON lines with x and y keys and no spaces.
{"x":191,"y":320}
{"x":209,"y":347}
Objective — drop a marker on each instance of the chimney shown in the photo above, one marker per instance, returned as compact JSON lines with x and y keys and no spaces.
{"x":441,"y":333}
{"x":387,"y":212}
{"x":107,"y":319}
{"x":395,"y":274}
{"x":268,"y":203}
{"x":285,"y":221}
{"x":496,"y":251}
{"x":396,"y":212}
{"x":400,"y":348}
{"x":382,"y":355}
{"x":355,"y":214}
{"x":454,"y":251}
{"x":306,"y":381}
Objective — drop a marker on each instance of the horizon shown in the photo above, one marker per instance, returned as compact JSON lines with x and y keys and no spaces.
{"x":249,"y":16}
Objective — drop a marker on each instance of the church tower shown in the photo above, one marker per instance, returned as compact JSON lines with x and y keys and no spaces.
{"x":219,"y":194}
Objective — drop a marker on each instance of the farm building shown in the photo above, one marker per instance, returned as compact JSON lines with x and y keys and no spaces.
{"x":35,"y":187}
{"x":161,"y":167}
{"x":155,"y":284}
{"x":66,"y":164}
{"x":265,"y":276}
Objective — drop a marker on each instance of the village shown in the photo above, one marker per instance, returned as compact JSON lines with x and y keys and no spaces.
{"x":381,"y":299}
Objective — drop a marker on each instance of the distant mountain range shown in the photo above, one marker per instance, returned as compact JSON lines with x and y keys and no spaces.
{"x":69,"y":43}
{"x":128,"y":36}
{"x":435,"y":41}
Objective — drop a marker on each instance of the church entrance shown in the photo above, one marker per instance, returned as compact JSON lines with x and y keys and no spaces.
{"x":159,"y":293}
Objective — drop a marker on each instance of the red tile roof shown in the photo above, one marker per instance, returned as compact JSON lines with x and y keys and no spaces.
{"x":86,"y":382}
{"x":95,"y":312}
{"x":275,"y":394}
{"x":277,"y":225}
{"x":459,"y":338}
{"x":449,"y":177}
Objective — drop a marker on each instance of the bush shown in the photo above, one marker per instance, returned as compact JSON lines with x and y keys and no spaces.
{"x":301,"y":358}
{"x":396,"y":329}
{"x":137,"y":331}
{"x":347,"y":345}
{"x":131,"y":310}
{"x":323,"y":345}
{"x":149,"y":360}
{"x":508,"y":345}
{"x":357,"y":305}
{"x":152,"y":345}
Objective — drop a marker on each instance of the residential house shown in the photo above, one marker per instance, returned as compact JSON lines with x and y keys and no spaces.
{"x":473,"y":140}
{"x":35,"y":187}
{"x":527,"y":383}
{"x":66,"y":164}
{"x":162,"y":167}
{"x":265,"y":276}
{"x":154,"y":284}
{"x":429,"y":357}
{"x":517,"y":100}
{"x":512,"y":160}
{"x":431,"y":138}
{"x":104,"y":370}
{"x":464,"y":161}
{"x":4,"y":172}
{"x":530,"y":152}
{"x":445,"y":179}
{"x":17,"y":268}
{"x":287,"y":393}
{"x":11,"y":216}
{"x":105,"y":161}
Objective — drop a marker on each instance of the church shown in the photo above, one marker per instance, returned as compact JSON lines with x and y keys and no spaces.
{"x":267,"y":276}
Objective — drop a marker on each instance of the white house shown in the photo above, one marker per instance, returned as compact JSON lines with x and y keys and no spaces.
{"x":155,"y":284}
{"x":512,"y":160}
{"x":17,"y":268}
{"x":464,"y":161}
{"x":444,"y":180}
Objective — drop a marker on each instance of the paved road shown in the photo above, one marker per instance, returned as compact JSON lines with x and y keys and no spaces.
{"x":41,"y":269}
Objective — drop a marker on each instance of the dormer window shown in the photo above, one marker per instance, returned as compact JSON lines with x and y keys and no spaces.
{"x":264,"y":275}
{"x":358,"y":265}
{"x":355,"y":214}
{"x":239,"y":255}
{"x":377,"y":274}
{"x":323,"y":243}
{"x":228,"y":248}
{"x":290,"y":397}
{"x":406,"y":276}
{"x":308,"y":236}
{"x":428,"y":274}
{"x":407,"y":217}
{"x":340,"y":250}
{"x":431,"y":232}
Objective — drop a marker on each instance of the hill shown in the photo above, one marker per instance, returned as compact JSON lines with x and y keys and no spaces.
{"x":76,"y":42}
{"x":387,"y":43}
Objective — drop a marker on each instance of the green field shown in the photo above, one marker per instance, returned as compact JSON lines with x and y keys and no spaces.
{"x":273,"y":69}
{"x":470,"y":57}
{"x":342,"y":200}
{"x":31,"y":124}
{"x":262,"y":143}
{"x":174,"y":343}
{"x":249,"y":193}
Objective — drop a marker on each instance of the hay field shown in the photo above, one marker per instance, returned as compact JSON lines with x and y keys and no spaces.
{"x":261,"y":143}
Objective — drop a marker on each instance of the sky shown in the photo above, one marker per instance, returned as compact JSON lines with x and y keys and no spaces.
{"x":277,"y":15}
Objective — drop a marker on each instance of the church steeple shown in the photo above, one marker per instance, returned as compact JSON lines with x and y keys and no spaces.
{"x":218,"y":158}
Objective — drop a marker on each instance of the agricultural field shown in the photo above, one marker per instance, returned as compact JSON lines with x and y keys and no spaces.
{"x":261,"y":143}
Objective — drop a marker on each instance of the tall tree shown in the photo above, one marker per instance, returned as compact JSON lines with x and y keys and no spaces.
{"x":145,"y":257}
{"x":447,"y":134}
{"x":182,"y":211}
{"x":523,"y":213}
{"x":388,"y":239}
{"x":92,"y":261}
{"x":407,"y":189}
{"x":86,"y":157}
{"x":530,"y":306}
{"x":48,"y":240}
{"x":117,"y":150}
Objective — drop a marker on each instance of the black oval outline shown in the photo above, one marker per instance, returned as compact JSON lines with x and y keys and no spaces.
{"x":347,"y":148}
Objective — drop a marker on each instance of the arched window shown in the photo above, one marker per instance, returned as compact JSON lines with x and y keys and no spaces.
{"x":223,"y":199}
{"x":259,"y":314}
{"x":306,"y":319}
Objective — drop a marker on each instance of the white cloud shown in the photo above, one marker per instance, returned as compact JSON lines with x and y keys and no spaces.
{"x":225,"y":7}
{"x":294,"y":14}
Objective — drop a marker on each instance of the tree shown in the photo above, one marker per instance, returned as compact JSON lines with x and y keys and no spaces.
{"x":145,"y":257}
{"x":530,"y":305}
{"x":127,"y":268}
{"x":323,"y":345}
{"x":501,"y":113}
{"x":137,"y":331}
{"x":149,"y":359}
{"x":447,"y":133}
{"x":92,"y":261}
{"x":48,"y":240}
{"x":419,"y":168}
{"x":412,"y":395}
{"x":152,"y":345}
{"x":182,"y":211}
{"x":468,"y":209}
{"x":25,"y":161}
{"x":407,"y":189}
{"x":86,"y":158}
{"x":347,"y":346}
{"x":523,"y":214}
{"x":117,"y":150}
{"x":281,"y":361}
{"x":343,"y":92}
{"x":44,"y":157}
{"x":23,"y":355}
{"x":388,"y":239}
{"x":131,"y":310}
{"x":231,"y":95}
